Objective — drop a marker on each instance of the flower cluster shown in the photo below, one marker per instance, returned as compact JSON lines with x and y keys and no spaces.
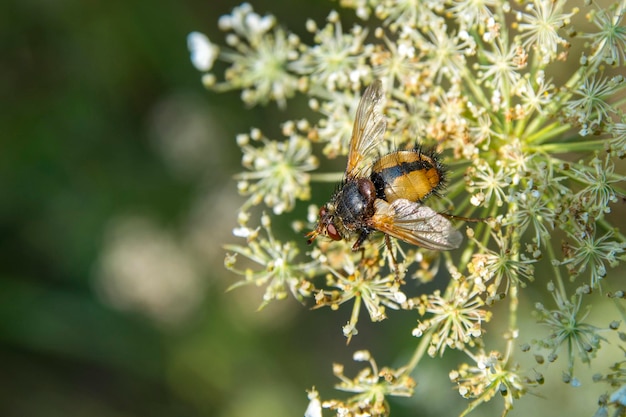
{"x":277,"y":171}
{"x":456,"y":318}
{"x":532,"y":155}
{"x":569,"y":329}
{"x":371,"y":387}
{"x":365,"y":286}
{"x":490,"y":374}
{"x":275,"y":260}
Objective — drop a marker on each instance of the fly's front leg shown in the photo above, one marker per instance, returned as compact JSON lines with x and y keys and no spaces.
{"x":362,"y":236}
{"x":358,"y":244}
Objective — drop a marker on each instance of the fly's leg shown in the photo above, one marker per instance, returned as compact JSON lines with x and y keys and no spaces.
{"x":394,"y":262}
{"x":362,"y":236}
{"x":358,"y":245}
{"x":467,"y":219}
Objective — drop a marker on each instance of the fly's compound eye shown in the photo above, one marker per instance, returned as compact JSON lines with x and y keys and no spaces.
{"x":331,"y":231}
{"x":326,"y":220}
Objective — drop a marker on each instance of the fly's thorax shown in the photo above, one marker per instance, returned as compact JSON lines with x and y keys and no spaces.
{"x":411,"y":175}
{"x":353,"y":204}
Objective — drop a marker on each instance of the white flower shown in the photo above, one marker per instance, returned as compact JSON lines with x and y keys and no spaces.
{"x":314,"y":409}
{"x":203,"y":52}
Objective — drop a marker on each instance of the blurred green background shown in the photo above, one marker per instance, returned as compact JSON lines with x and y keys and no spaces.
{"x":116,"y":194}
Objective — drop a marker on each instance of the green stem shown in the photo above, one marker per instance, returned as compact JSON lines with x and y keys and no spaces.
{"x":590,"y":145}
{"x":354,"y":318}
{"x":420,"y":350}
{"x":620,"y":307}
{"x":326,"y":177}
{"x":548,"y":132}
{"x":557,"y":272}
{"x":607,"y":226}
{"x":530,"y":125}
{"x":513,"y":293}
{"x":513,"y":305}
{"x":619,"y":103}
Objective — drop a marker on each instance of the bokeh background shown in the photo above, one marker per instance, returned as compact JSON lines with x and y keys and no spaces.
{"x":116,"y":196}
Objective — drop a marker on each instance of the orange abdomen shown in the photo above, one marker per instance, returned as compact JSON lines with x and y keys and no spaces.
{"x":411,"y":175}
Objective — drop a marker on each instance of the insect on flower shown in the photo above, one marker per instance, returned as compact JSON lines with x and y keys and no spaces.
{"x":386,"y":195}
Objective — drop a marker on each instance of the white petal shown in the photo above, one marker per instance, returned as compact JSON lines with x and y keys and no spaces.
{"x":314,"y":408}
{"x":203,"y":52}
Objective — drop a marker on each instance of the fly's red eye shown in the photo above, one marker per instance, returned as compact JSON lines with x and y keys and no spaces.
{"x":332,"y":233}
{"x":323,"y":211}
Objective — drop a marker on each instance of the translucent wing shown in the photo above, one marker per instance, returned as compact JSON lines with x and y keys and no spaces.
{"x":369,"y":126}
{"x":415,"y":224}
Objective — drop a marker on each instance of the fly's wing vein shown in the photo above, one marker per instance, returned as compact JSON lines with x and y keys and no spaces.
{"x":368,"y":130}
{"x":416,"y":224}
